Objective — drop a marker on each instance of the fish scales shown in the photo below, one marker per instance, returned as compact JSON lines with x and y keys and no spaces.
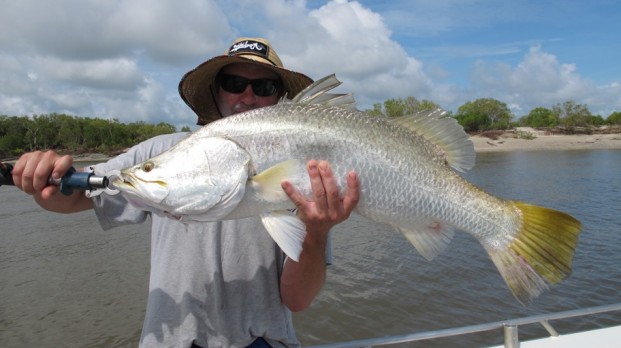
{"x":398,"y":178}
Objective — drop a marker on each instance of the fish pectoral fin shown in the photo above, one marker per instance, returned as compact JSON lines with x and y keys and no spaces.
{"x":267,"y":183}
{"x":287,"y":230}
{"x":429,"y":237}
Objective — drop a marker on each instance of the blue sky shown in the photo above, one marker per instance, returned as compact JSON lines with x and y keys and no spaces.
{"x":123,"y":58}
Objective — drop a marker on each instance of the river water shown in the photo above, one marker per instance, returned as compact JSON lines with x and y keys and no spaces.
{"x":66,"y":283}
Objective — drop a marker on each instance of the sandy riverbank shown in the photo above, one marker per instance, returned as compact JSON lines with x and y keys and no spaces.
{"x":508,"y":142}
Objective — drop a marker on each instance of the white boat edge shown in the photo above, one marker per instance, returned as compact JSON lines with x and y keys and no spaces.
{"x":598,"y":338}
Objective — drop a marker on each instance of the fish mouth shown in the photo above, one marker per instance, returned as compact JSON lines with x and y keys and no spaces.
{"x":154,"y":190}
{"x":124,"y":182}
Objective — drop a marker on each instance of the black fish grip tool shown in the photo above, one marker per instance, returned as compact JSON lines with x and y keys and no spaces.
{"x":71,"y":180}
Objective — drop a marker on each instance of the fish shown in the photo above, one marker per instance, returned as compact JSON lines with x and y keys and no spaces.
{"x":409,"y":173}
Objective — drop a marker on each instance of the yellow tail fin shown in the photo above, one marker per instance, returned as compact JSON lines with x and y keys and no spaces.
{"x":540,"y":254}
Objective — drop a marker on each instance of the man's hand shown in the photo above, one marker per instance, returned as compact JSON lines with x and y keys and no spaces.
{"x":32,"y":171}
{"x":327,"y":208}
{"x":31,"y":174}
{"x":301,"y":281}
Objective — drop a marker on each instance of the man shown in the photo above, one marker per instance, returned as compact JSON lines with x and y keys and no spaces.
{"x":221,"y":284}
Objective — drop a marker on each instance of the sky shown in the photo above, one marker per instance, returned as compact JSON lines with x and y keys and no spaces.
{"x":123,"y":59}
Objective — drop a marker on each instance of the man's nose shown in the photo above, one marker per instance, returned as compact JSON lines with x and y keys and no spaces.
{"x":248,"y":97}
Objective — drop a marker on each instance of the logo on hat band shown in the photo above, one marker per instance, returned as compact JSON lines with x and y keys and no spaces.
{"x":248,"y":46}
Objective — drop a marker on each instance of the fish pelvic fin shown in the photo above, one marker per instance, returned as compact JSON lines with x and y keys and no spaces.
{"x":317,"y":94}
{"x":541,"y":254}
{"x":287,"y":230}
{"x":443,"y":131}
{"x":429,"y":238}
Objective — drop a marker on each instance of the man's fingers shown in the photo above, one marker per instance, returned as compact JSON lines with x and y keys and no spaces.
{"x":61,"y":166}
{"x":352,"y":196}
{"x":33,"y":170}
{"x":330,"y":187}
{"x":326,"y":207}
{"x":294,"y":195}
{"x":319,"y":193}
{"x":24,"y":172}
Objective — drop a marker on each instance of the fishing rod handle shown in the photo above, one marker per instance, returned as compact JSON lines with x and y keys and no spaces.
{"x":5,"y":174}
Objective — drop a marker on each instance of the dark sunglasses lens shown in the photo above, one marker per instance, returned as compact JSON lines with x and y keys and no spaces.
{"x":260,"y":87}
{"x":264,"y":87}
{"x":233,"y":84}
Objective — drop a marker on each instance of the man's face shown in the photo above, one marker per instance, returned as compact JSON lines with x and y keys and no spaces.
{"x":232,"y":103}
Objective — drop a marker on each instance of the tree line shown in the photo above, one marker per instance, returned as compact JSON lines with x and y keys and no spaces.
{"x":73,"y":134}
{"x":486,"y":114}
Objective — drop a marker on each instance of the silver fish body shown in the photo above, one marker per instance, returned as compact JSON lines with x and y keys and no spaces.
{"x":232,"y":168}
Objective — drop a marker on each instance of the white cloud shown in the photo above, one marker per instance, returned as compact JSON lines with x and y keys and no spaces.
{"x":103,"y":58}
{"x":124,"y":58}
{"x":354,"y":42}
{"x":538,"y":80}
{"x":120,"y":73}
{"x":162,"y":31}
{"x":169,"y":30}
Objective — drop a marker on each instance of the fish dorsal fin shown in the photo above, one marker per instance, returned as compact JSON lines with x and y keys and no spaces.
{"x":429,"y":237}
{"x":316,"y":94}
{"x":443,"y":131}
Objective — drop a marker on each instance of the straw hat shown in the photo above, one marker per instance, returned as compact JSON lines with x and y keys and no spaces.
{"x":197,"y":86}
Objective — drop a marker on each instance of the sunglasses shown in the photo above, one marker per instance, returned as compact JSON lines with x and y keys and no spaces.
{"x":260,"y":87}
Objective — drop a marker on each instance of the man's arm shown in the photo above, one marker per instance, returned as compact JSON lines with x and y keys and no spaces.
{"x":301,"y":281}
{"x":31,"y":173}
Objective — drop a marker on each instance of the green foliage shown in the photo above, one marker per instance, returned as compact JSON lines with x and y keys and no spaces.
{"x":568,"y":115}
{"x":19,"y":134}
{"x":596,"y":120}
{"x":401,"y":107}
{"x":490,"y":114}
{"x":572,"y":115}
{"x":484,"y":114}
{"x":540,"y":117}
{"x":614,"y":118}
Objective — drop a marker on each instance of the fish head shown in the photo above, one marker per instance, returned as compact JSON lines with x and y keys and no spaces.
{"x":143,"y":181}
{"x":204,"y":178}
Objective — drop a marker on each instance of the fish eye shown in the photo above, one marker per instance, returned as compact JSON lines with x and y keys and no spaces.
{"x":148,"y":166}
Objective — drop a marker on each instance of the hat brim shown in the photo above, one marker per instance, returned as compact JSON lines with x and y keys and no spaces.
{"x":196,"y":86}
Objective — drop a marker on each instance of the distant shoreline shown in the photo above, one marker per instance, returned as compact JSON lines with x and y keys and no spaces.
{"x":507,"y":142}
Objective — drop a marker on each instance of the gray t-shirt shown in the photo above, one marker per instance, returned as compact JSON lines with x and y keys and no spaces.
{"x":215,"y":284}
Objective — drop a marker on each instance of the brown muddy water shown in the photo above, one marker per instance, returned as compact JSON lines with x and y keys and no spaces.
{"x":66,"y":283}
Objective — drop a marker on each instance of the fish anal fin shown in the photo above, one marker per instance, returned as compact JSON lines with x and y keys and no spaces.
{"x":540,"y":254}
{"x":429,"y":237}
{"x":287,"y":230}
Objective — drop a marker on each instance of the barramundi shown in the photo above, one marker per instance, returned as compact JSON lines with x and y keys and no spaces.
{"x":408,"y":172}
